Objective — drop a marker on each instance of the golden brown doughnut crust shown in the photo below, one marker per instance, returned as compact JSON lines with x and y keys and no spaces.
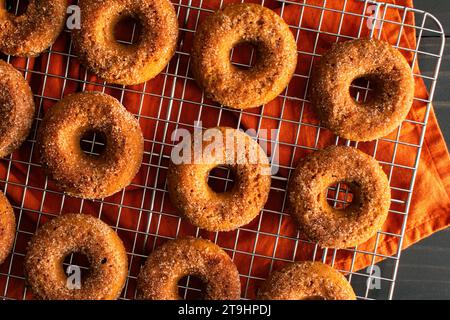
{"x":335,"y":228}
{"x":120,"y":63}
{"x":177,"y":259}
{"x":276,"y":55}
{"x":77,"y":173}
{"x":307,"y":281}
{"x":191,"y":195}
{"x":16,"y":109}
{"x":388,"y":71}
{"x":83,"y":234}
{"x":34,"y":31}
{"x":7,"y":227}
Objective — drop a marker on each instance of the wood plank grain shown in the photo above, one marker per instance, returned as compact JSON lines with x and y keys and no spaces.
{"x":439,"y":8}
{"x":442,"y":94}
{"x":424,"y":271}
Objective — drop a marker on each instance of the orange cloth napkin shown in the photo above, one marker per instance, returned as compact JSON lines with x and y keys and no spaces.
{"x":170,"y":103}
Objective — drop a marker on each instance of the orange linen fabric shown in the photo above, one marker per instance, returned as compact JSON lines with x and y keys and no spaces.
{"x":171,"y":103}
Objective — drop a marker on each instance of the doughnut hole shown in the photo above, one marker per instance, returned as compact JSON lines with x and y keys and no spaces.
{"x":93,"y":143}
{"x":74,"y":261}
{"x":365,"y":89}
{"x":127,"y":30}
{"x":191,"y":287}
{"x":222,"y":179}
{"x":15,"y":7}
{"x":244,"y":55}
{"x":373,"y":90}
{"x":343,"y":195}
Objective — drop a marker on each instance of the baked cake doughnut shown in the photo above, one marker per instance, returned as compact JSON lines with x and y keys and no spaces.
{"x":119,"y":63}
{"x":188,"y":180}
{"x":16,"y":109}
{"x":276,"y":55}
{"x":307,"y":281}
{"x":7,"y":227}
{"x":381,"y":64}
{"x":80,"y":174}
{"x":177,"y":259}
{"x":332,"y":227}
{"x":34,"y":31}
{"x":76,"y":233}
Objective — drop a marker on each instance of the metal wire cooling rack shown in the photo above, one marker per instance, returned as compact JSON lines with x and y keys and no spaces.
{"x":161,"y":106}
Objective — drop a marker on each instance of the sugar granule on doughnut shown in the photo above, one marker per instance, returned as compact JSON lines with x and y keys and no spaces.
{"x":339,"y":227}
{"x":159,"y":277}
{"x":391,"y":78}
{"x":215,"y":211}
{"x":85,"y":175}
{"x":76,"y":233}
{"x":30,"y":33}
{"x":307,"y":281}
{"x":117,"y":62}
{"x":7,"y":227}
{"x":16,"y":109}
{"x":276,"y":55}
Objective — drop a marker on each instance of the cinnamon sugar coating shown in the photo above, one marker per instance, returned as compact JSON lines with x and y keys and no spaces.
{"x":193,"y":197}
{"x":276,"y":55}
{"x":120,"y":63}
{"x":333,"y":227}
{"x":7,"y":227}
{"x":80,"y":174}
{"x":16,"y":109}
{"x":34,"y":31}
{"x":389,"y":73}
{"x":307,"y":281}
{"x":76,"y":233}
{"x":179,"y":258}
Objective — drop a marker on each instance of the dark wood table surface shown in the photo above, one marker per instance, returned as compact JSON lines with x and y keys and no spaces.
{"x":424,"y":271}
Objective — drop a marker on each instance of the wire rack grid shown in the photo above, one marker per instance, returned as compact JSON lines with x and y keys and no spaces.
{"x":154,"y":220}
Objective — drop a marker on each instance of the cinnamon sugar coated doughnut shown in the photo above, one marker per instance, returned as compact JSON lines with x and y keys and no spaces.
{"x":307,"y":281}
{"x":333,"y":227}
{"x":35,"y":30}
{"x":16,"y":109}
{"x":7,"y":227}
{"x":85,"y":175}
{"x":117,"y":62}
{"x":388,"y":72}
{"x":276,"y":55}
{"x":202,"y":206}
{"x":177,"y":259}
{"x":76,"y":233}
